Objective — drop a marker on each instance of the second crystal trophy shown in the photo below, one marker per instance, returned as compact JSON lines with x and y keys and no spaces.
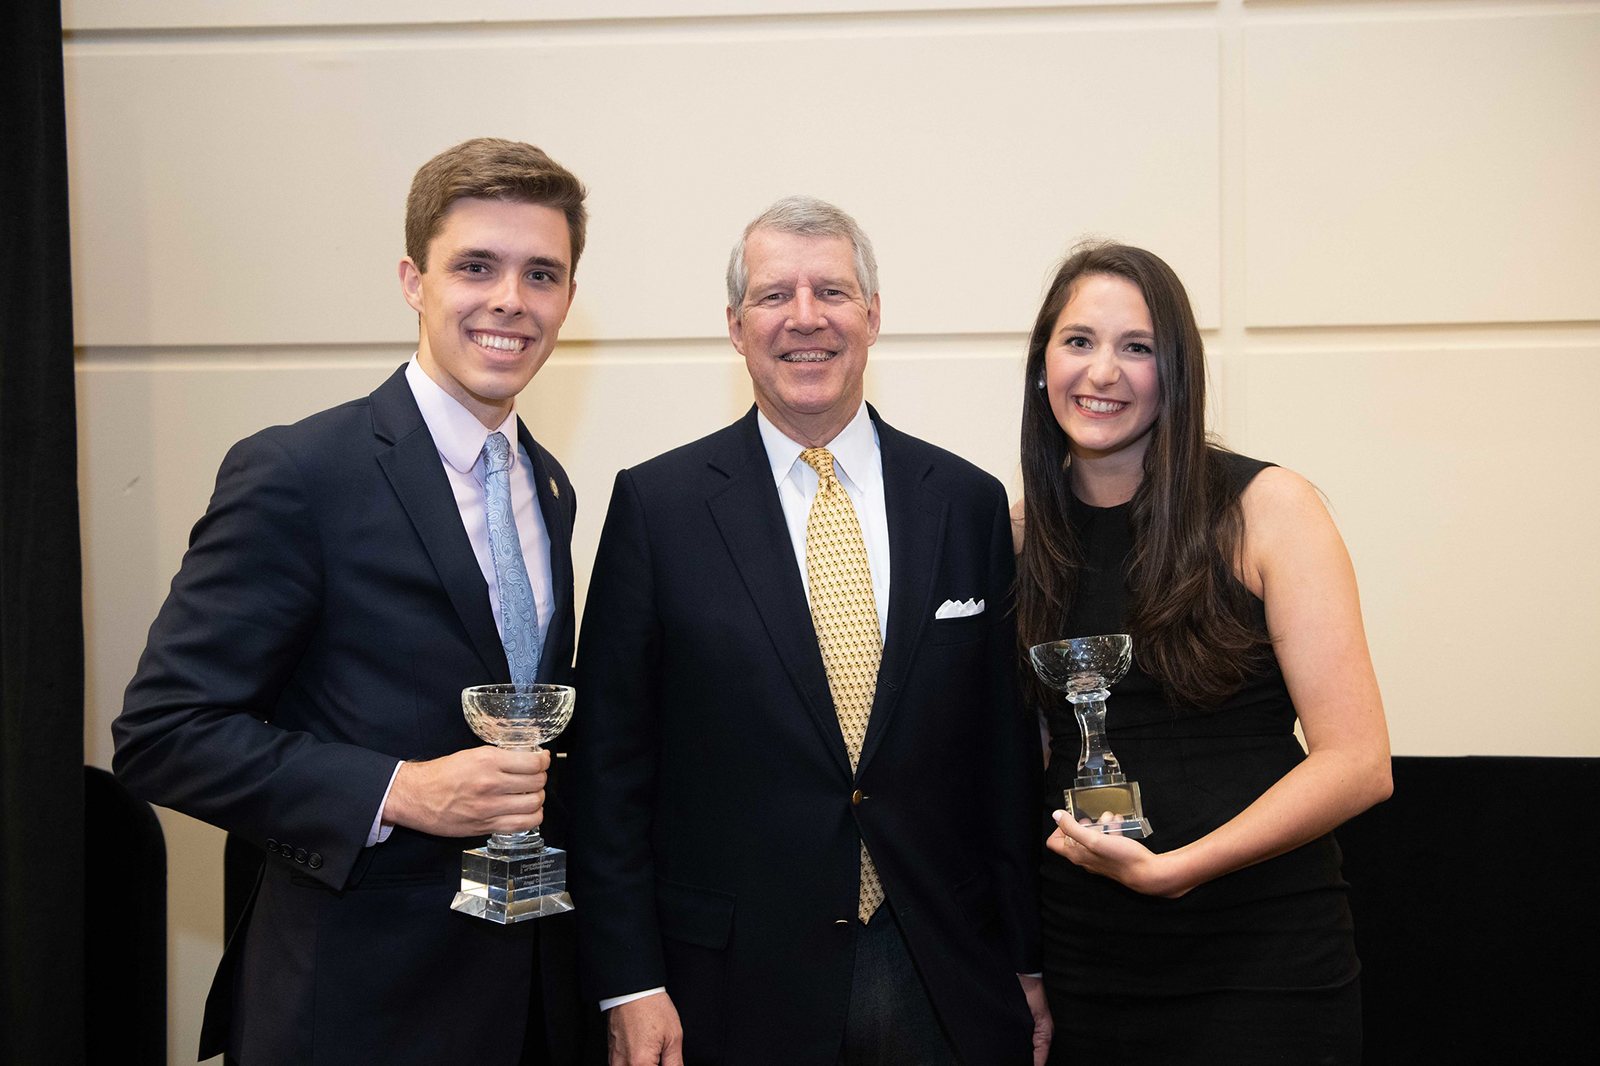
{"x":515,"y":876}
{"x":1085,"y":668}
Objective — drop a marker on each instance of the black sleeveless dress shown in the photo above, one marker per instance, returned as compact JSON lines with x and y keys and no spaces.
{"x":1273,"y":937}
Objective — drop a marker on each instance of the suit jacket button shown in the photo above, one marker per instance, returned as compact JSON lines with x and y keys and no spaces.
{"x":272,"y":845}
{"x":299,"y":854}
{"x":856,"y":797}
{"x":286,"y":850}
{"x":314,"y":861}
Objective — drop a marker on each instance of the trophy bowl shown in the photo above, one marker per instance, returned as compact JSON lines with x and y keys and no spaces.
{"x":515,"y":876}
{"x":520,"y":717}
{"x":1084,"y":669}
{"x":1083,"y":665}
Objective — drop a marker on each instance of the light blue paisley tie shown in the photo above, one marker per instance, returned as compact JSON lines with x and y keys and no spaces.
{"x":519,"y":618}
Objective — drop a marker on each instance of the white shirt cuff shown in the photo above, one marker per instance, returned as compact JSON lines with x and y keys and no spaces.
{"x":617,"y":1001}
{"x":380,"y":832}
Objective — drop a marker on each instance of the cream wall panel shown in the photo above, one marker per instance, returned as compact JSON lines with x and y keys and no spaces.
{"x":154,"y":430}
{"x":250,"y":191}
{"x":1425,"y":169}
{"x":183,"y":14}
{"x":1471,"y":507}
{"x":151,"y":437}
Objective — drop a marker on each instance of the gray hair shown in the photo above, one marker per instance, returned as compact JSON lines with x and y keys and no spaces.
{"x":805,"y":216}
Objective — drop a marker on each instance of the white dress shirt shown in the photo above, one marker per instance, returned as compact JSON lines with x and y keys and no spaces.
{"x":459,"y":436}
{"x":858,"y":464}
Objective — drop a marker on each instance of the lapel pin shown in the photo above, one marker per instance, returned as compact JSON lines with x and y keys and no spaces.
{"x":554,"y":489}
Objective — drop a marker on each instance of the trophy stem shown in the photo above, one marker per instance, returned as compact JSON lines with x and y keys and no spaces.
{"x":523,"y":840}
{"x":1096,"y":763}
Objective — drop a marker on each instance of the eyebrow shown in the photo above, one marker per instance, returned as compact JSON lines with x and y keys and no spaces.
{"x":1074,"y":327}
{"x":846,"y":283}
{"x":490,"y":255}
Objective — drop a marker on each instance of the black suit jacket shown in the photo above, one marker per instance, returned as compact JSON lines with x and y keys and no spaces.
{"x":715,"y":817}
{"x":328,"y":613}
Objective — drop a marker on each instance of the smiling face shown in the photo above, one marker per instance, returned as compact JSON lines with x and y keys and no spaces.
{"x":1100,"y":371}
{"x":804,"y":329}
{"x":497,"y":288}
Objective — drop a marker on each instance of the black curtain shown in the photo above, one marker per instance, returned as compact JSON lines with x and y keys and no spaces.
{"x":1474,"y":891}
{"x":41,"y":611}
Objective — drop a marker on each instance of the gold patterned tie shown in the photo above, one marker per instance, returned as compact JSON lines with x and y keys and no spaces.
{"x":845,"y":614}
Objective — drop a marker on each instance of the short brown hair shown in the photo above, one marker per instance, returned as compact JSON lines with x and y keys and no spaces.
{"x":489,"y":168}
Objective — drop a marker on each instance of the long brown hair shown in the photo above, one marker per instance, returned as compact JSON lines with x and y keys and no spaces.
{"x":1192,"y":623}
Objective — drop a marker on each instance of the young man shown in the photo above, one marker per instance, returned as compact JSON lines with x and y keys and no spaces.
{"x":301,"y":686}
{"x":803,"y":785}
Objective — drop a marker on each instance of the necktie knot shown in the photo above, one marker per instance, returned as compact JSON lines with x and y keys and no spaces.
{"x":496,"y":453}
{"x":820,"y":460}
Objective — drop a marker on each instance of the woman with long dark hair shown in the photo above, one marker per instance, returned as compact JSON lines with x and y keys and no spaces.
{"x":1224,"y":937}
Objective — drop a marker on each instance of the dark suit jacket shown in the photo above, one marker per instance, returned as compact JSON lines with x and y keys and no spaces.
{"x":715,"y":816}
{"x":326,"y":617}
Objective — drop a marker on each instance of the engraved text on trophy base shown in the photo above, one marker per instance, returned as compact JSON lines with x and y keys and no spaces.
{"x":513,"y":886}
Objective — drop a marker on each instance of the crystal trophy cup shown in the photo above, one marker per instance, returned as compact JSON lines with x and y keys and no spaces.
{"x":515,"y":876}
{"x":1084,"y":669}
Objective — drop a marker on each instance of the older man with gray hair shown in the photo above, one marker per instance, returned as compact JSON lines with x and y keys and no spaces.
{"x":803,"y":782}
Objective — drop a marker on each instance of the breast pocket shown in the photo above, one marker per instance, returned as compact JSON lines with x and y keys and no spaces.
{"x":957,"y":630}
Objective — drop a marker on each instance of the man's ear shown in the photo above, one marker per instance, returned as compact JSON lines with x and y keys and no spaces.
{"x":735,"y":331}
{"x":411,"y":284}
{"x":874,"y":316}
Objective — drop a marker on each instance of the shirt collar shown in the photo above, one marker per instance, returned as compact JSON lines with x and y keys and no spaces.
{"x":456,"y":431}
{"x":855,"y":449}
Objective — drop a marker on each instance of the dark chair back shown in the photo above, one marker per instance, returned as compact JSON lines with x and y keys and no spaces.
{"x":125,"y":927}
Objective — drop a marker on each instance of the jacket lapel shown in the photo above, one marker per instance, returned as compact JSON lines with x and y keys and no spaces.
{"x":416,"y":474}
{"x":559,"y":530}
{"x":750,"y":518}
{"x":917,"y":517}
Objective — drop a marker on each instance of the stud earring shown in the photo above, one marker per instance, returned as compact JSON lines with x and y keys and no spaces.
{"x":1041,"y":381}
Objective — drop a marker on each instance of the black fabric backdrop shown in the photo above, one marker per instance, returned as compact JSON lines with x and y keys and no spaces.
{"x":1476,"y":893}
{"x":41,"y":613}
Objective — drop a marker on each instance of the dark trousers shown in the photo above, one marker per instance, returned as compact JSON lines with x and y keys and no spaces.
{"x":534,"y":1050}
{"x":891,"y":1020}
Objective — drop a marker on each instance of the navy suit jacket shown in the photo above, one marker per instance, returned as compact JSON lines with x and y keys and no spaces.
{"x":715,"y":816}
{"x":328,"y":613}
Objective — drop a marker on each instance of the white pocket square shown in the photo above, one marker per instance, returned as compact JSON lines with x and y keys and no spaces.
{"x":959,"y":609}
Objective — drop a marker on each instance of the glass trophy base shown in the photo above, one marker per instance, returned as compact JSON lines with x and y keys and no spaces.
{"x":513,"y":886}
{"x":1120,"y":802}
